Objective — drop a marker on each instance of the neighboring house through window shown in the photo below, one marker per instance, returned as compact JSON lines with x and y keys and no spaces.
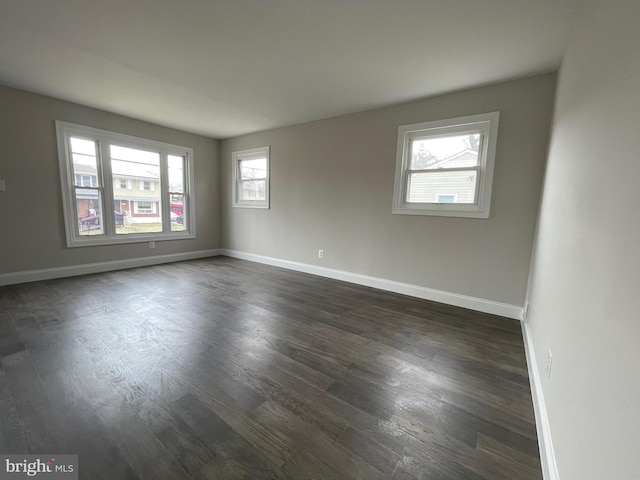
{"x":445,"y":167}
{"x":118,"y":188}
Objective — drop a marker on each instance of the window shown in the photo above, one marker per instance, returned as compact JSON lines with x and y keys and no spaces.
{"x":146,"y":185}
{"x":86,"y":180}
{"x":97,"y":166}
{"x":144,"y":207}
{"x":447,"y":198}
{"x":446,"y":167}
{"x":251,"y":178}
{"x":123,"y":184}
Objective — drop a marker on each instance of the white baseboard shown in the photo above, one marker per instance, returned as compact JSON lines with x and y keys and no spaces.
{"x":87,"y":268}
{"x":547,"y":456}
{"x":472,"y":303}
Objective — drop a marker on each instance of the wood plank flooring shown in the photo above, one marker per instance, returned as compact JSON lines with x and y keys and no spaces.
{"x":225,"y":369}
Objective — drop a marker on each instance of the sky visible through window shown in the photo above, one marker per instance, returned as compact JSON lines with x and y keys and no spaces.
{"x":124,"y":160}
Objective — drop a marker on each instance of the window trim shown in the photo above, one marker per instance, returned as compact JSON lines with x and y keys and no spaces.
{"x":487,"y":124}
{"x":103,"y":139}
{"x":251,"y":154}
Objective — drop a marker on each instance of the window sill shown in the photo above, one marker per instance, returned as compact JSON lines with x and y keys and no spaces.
{"x":442,"y":211}
{"x":248,"y":205}
{"x":132,"y":238}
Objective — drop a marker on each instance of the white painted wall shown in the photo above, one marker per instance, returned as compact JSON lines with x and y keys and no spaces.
{"x":585,"y":287}
{"x":332,"y":189}
{"x":31,"y":221}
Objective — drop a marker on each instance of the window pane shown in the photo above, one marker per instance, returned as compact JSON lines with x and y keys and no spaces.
{"x":88,"y":209}
{"x":253,"y":168}
{"x":176,"y":173}
{"x":83,"y":153}
{"x":177,"y":213}
{"x":253,"y":190}
{"x":453,"y":187}
{"x":140,"y":216}
{"x":134,"y":155}
{"x":83,"y":146}
{"x":136,"y":189}
{"x":445,"y":152}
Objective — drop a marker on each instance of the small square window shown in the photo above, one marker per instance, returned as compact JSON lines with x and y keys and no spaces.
{"x":446,"y":198}
{"x":251,"y":178}
{"x":445,"y":167}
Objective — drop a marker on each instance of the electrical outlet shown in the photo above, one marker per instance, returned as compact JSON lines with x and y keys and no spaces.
{"x":321,"y":254}
{"x":152,"y":244}
{"x":547,"y":368}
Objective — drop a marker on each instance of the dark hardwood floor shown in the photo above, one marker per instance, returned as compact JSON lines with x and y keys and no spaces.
{"x":225,"y":369}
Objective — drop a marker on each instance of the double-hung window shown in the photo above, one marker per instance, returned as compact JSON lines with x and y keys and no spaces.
{"x":445,"y":167}
{"x":251,"y":178}
{"x":123,"y":183}
{"x":118,"y":189}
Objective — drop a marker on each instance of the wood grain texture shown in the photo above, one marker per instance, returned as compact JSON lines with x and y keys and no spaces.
{"x":225,"y":369}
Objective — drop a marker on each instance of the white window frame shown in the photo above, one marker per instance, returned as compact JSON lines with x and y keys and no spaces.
{"x":487,"y":125}
{"x":141,"y":184}
{"x":250,"y":154}
{"x":153,"y":207}
{"x":104,"y":139}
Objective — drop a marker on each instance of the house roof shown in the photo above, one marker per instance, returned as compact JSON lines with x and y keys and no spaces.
{"x":88,"y":169}
{"x":227,"y":67}
{"x":465,"y":158}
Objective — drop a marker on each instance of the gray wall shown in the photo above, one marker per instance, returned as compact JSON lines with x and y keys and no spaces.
{"x":31,"y":220}
{"x":332,"y":185}
{"x":585,"y":288}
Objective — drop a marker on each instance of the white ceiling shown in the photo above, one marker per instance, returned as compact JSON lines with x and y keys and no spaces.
{"x":222,"y":68}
